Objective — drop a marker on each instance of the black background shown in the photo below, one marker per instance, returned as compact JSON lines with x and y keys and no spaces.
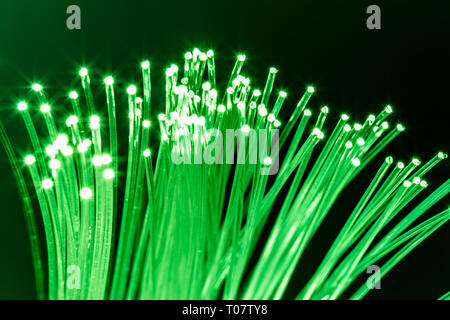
{"x":325,"y":43}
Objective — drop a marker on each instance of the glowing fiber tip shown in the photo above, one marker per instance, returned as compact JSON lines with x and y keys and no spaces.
{"x":267,"y":161}
{"x":29,"y":160}
{"x":145,"y":64}
{"x":108,"y":174}
{"x":73,"y":95}
{"x":356,"y":162}
{"x":55,"y":164}
{"x":45,"y":108}
{"x":442,"y":155}
{"x":36,"y":87}
{"x":94,"y":122}
{"x":147,"y":153}
{"x":22,"y":106}
{"x":72,"y":120}
{"x":241,"y":57}
{"x":245,"y":128}
{"x":109,"y":81}
{"x":67,"y":151}
{"x":83,"y":72}
{"x":47,"y":183}
{"x":131,"y":90}
{"x":86,"y":193}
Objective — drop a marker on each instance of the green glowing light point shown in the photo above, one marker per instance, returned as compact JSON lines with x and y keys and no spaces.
{"x":73,"y":95}
{"x":83,"y":72}
{"x":45,"y":108}
{"x":131,"y":90}
{"x":36,"y":87}
{"x":109,"y":81}
{"x":22,"y":106}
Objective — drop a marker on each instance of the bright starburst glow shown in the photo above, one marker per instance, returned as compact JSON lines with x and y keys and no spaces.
{"x":45,"y":108}
{"x":29,"y":160}
{"x":190,"y":211}
{"x":36,"y":87}
{"x":109,"y":81}
{"x":83,"y":72}
{"x":73,"y":95}
{"x":22,"y":106}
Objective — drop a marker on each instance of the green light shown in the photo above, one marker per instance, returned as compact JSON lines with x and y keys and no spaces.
{"x":147,"y":153}
{"x":310,"y":89}
{"x":86,"y":193}
{"x":356,"y":162}
{"x":55,"y":164}
{"x":72,"y":120}
{"x":108,"y":174}
{"x":36,"y":87}
{"x":47,"y":184}
{"x":109,"y":81}
{"x":45,"y":108}
{"x":442,"y":155}
{"x":94,"y":122}
{"x":188,"y":55}
{"x":131,"y":90}
{"x":29,"y":160}
{"x":73,"y":95}
{"x":146,"y":123}
{"x":83,"y":72}
{"x":22,"y":106}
